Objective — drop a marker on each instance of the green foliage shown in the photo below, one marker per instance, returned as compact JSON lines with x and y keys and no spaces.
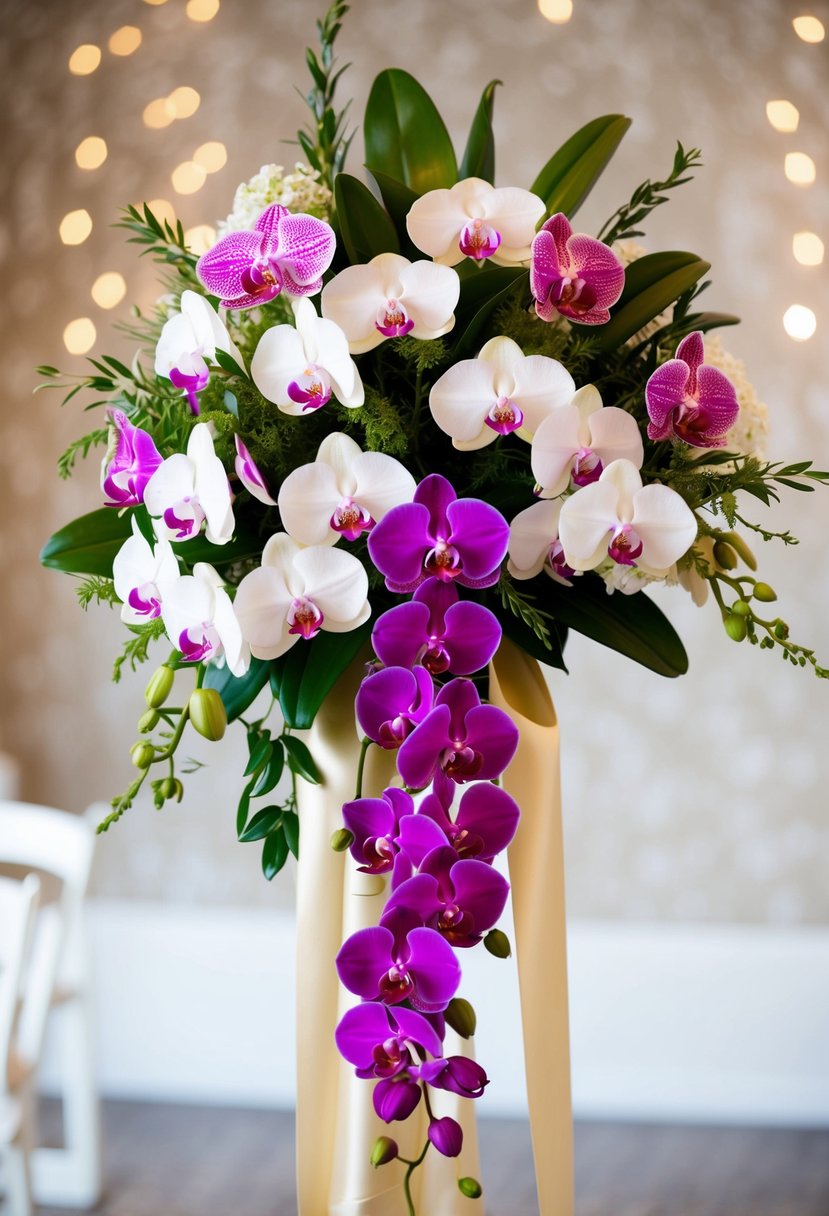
{"x":479,"y":156}
{"x":325,"y":140}
{"x":649,"y":195}
{"x":303,"y":677}
{"x":572,"y":172}
{"x":405,"y":137}
{"x":163,"y":241}
{"x":81,"y":448}
{"x":137,"y":648}
{"x":96,"y":590}
{"x":652,"y":284}
{"x":365,"y":226}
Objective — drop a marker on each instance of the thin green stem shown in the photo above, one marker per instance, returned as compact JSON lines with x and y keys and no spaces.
{"x":176,"y":739}
{"x":407,"y":1187}
{"x":364,"y":746}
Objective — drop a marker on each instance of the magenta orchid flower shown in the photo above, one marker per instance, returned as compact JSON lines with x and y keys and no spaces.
{"x":474,"y":219}
{"x":439,"y":630}
{"x":383,"y":1041}
{"x":395,"y":1098}
{"x":283,"y":251}
{"x":439,"y":535}
{"x":400,"y":960}
{"x":485,"y":823}
{"x":460,"y":898}
{"x":534,"y":543}
{"x":130,"y":462}
{"x":446,"y":1135}
{"x":690,"y":400}
{"x":575,"y":442}
{"x":391,"y":702}
{"x":375,"y":824}
{"x":248,"y":473}
{"x":456,"y":1074}
{"x":460,"y":738}
{"x":573,"y":275}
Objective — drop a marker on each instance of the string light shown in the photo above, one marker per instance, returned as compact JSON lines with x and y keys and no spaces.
{"x":200,"y":239}
{"x":556,"y":11}
{"x":84,"y":59}
{"x":79,"y":336}
{"x":809,"y":28}
{"x":163,"y":210}
{"x":212,"y":156}
{"x":188,"y":177}
{"x":159,"y":113}
{"x":782,"y":115}
{"x":799,"y":322}
{"x":75,"y":227}
{"x":184,"y":101}
{"x":202,"y":10}
{"x":800,"y":168}
{"x":109,"y":289}
{"x":125,"y":41}
{"x":807,"y":248}
{"x":155,"y":2}
{"x":91,"y":152}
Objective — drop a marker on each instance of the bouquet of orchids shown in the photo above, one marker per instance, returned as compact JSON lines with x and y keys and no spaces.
{"x":395,"y":422}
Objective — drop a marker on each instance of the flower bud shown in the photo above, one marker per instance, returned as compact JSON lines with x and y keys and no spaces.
{"x":741,"y":607}
{"x":470,"y":1187}
{"x":446,"y":1135}
{"x":724,"y":555}
{"x":148,"y":721}
{"x":142,"y":753}
{"x":764,"y":593}
{"x":208,"y":713}
{"x":171,"y":788}
{"x":460,"y":1015}
{"x":159,"y":687}
{"x":735,"y":627}
{"x":497,"y":943}
{"x":341,"y":840}
{"x":781,"y":630}
{"x":737,"y":542}
{"x":383,"y":1151}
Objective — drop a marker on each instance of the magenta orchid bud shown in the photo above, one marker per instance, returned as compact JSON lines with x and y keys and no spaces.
{"x":446,"y":1135}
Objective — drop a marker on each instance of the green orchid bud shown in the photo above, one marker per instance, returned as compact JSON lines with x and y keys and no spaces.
{"x":497,"y":943}
{"x":781,"y":630}
{"x":171,"y":788}
{"x":148,"y":721}
{"x":737,"y":542}
{"x":735,"y":627}
{"x":461,"y":1016}
{"x":764,"y":593}
{"x":470,"y":1187}
{"x":724,"y":555}
{"x":383,"y":1151}
{"x":142,"y":753}
{"x":341,"y":840}
{"x":741,"y":608}
{"x":208,"y":713}
{"x":159,"y":687}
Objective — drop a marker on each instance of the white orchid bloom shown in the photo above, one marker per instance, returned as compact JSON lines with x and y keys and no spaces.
{"x":389,"y":297}
{"x":296,"y":592}
{"x":650,"y":527}
{"x":578,"y":440}
{"x":534,"y":543}
{"x":300,"y":368}
{"x":474,"y":219}
{"x":189,"y":339}
{"x":201,"y":622}
{"x":143,"y":575}
{"x":501,"y":391}
{"x":187,"y":491}
{"x":344,"y":492}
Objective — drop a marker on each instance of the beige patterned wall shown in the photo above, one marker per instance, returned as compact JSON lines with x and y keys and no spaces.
{"x":702,"y":799}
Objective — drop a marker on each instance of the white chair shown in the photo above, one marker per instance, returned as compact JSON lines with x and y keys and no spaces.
{"x":18,"y":905}
{"x":60,"y":845}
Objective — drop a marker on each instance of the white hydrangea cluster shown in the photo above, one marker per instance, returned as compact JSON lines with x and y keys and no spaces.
{"x":300,"y":191}
{"x":749,"y":433}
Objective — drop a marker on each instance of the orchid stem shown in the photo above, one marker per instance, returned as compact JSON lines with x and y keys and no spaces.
{"x":407,"y":1190}
{"x":364,"y":746}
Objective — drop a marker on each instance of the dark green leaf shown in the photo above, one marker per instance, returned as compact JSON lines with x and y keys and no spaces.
{"x":570,"y":174}
{"x":238,"y":692}
{"x":274,"y":854}
{"x":300,"y":760}
{"x":303,"y":678}
{"x":260,"y":755}
{"x":405,"y":137}
{"x":365,"y":227}
{"x":652,"y":284}
{"x":229,"y":364}
{"x":479,"y":156}
{"x":269,"y":777}
{"x":290,"y":826}
{"x":398,"y":200}
{"x":263,"y":823}
{"x":245,"y":543}
{"x":481,"y":294}
{"x":516,"y":630}
{"x":243,"y":808}
{"x":88,"y":544}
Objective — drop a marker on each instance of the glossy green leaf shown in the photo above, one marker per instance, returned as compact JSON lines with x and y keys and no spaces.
{"x":274,"y":854}
{"x":570,"y":174}
{"x":88,"y":544}
{"x":366,"y":228}
{"x":290,"y":826}
{"x":260,"y":755}
{"x":515,"y":629}
{"x":300,"y":760}
{"x":479,"y":156}
{"x":238,"y":692}
{"x":481,"y":293}
{"x":652,"y":284}
{"x":269,"y":778}
{"x":398,"y":200}
{"x":303,"y":678}
{"x":405,"y":136}
{"x":243,"y":808}
{"x":262,"y":824}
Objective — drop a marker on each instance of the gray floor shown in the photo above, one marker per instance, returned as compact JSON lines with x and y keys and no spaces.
{"x":193,"y":1161}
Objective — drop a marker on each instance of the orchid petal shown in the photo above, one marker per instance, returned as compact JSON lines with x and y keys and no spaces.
{"x":484,"y":533}
{"x":481,"y":891}
{"x":208,"y":327}
{"x":598,"y":264}
{"x":211,"y":485}
{"x":436,"y":493}
{"x":555,"y":445}
{"x":515,"y":213}
{"x":307,"y":499}
{"x":719,"y":401}
{"x":434,"y":223}
{"x":419,"y":894}
{"x":399,"y":543}
{"x":220,"y":269}
{"x":666,"y":525}
{"x":460,"y":697}
{"x":461,"y":398}
{"x":436,"y":969}
{"x":492,"y":733}
{"x":418,"y":755}
{"x":360,"y":1030}
{"x":414,"y":1027}
{"x":268,"y":224}
{"x":351,"y":299}
{"x":236,"y":650}
{"x":542,"y":385}
{"x":262,"y":604}
{"x":532,"y":532}
{"x":249,"y":475}
{"x":173,"y":480}
{"x":382,"y":483}
{"x":664,"y":391}
{"x":472,"y":635}
{"x":363,"y":958}
{"x":338,"y":584}
{"x":399,"y":634}
{"x":692,"y":351}
{"x":430,"y":293}
{"x":419,"y":835}
{"x":278,"y":358}
{"x":306,"y":247}
{"x":614,"y":435}
{"x":625,"y":479}
{"x":279,"y":553}
{"x":585,"y":522}
{"x":489,"y":812}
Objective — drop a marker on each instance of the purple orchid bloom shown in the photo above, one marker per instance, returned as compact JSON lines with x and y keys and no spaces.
{"x":375,"y":824}
{"x":439,"y":630}
{"x":391,"y":702}
{"x":461,"y":899}
{"x":460,"y":738}
{"x":400,"y":960}
{"x":130,"y":462}
{"x":383,"y":1042}
{"x":457,"y":1074}
{"x":439,"y":535}
{"x":446,"y":1135}
{"x":690,"y":400}
{"x":484,"y":825}
{"x":573,"y":274}
{"x":284,"y":250}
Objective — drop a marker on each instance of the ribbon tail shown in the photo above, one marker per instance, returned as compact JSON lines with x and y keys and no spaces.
{"x":536,"y":864}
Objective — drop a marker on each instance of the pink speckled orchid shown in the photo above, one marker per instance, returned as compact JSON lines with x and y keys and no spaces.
{"x":501,"y":391}
{"x":201,"y":622}
{"x":574,"y":443}
{"x":475,"y":220}
{"x":690,"y":400}
{"x":343,"y":493}
{"x":248,"y":473}
{"x":573,"y":275}
{"x":297,"y":592}
{"x":389,"y":297}
{"x":645,"y":526}
{"x":287,"y":251}
{"x":300,"y":368}
{"x":188,"y":491}
{"x":188,"y":342}
{"x":142,"y":574}
{"x":534,"y":543}
{"x":129,"y":463}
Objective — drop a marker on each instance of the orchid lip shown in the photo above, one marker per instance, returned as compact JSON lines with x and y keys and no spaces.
{"x":587,"y":467}
{"x":199,"y":642}
{"x":505,"y":416}
{"x":351,"y":520}
{"x":262,"y":279}
{"x":392,"y":320}
{"x":176,"y":518}
{"x":145,"y":600}
{"x":479,"y":240}
{"x":443,"y":562}
{"x":311,"y":389}
{"x":625,"y":546}
{"x":558,"y":561}
{"x":305,"y":618}
{"x":461,"y":763}
{"x":395,"y":985}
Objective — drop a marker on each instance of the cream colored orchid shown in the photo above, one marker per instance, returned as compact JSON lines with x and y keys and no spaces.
{"x":476,"y":220}
{"x":574,"y":443}
{"x":299,"y":369}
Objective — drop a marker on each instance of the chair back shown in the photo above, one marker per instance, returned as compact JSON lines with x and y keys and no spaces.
{"x":18,"y":904}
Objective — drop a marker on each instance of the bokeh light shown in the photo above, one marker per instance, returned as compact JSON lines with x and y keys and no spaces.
{"x":162,"y":209}
{"x":201,"y":238}
{"x":125,"y":41}
{"x":84,"y":59}
{"x":79,"y":336}
{"x":212,"y":156}
{"x":807,"y":248}
{"x":809,"y":28}
{"x":557,"y":11}
{"x":184,"y":101}
{"x":782,"y":115}
{"x":159,"y":113}
{"x":75,"y":227}
{"x":202,"y":10}
{"x":800,"y":168}
{"x":91,"y":152}
{"x":109,"y":289}
{"x":188,"y":177}
{"x":799,"y":322}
